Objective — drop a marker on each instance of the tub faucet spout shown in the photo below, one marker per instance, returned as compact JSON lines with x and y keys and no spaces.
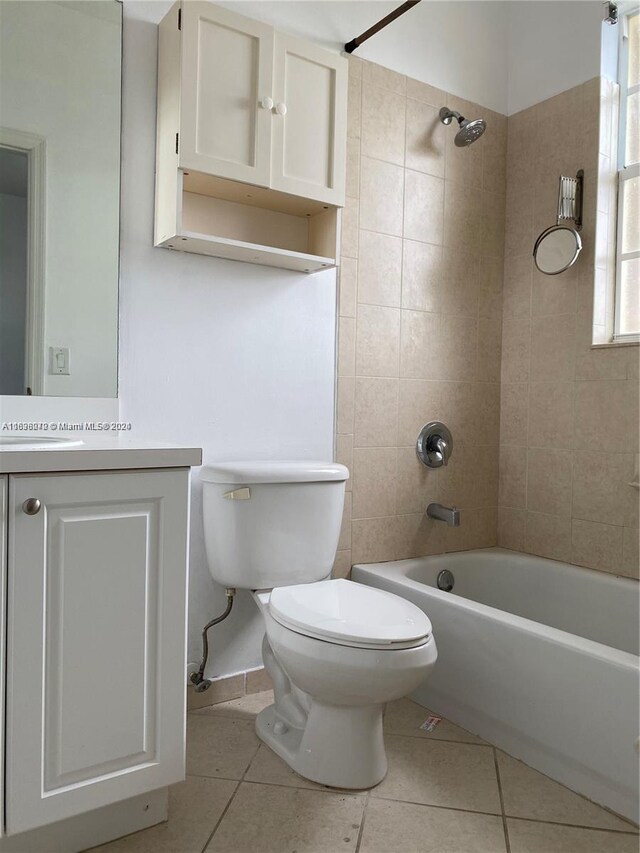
{"x":448,"y":514}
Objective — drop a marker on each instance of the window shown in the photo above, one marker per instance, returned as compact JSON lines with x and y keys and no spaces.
{"x":627,"y":301}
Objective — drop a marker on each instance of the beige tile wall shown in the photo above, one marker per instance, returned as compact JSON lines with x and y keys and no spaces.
{"x":569,"y":413}
{"x":420,"y":307}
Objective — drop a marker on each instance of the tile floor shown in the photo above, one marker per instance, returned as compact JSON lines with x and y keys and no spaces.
{"x":446,"y":792}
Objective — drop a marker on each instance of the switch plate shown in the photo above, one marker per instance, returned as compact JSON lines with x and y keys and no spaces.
{"x":59,"y":364}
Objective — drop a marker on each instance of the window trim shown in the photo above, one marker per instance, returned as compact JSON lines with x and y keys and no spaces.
{"x":625,"y":172}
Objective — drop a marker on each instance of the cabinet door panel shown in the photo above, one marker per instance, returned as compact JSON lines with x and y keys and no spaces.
{"x":309,"y":140}
{"x":95,"y":710}
{"x":227,"y":68}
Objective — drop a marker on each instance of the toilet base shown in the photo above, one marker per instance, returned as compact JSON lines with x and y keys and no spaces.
{"x":341,"y":747}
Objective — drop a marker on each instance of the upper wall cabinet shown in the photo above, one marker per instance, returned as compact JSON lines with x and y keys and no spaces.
{"x":251,"y":148}
{"x":226,"y":84}
{"x":308,"y":149}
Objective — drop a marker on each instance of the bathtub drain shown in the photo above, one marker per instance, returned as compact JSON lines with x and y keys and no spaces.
{"x":446,"y":580}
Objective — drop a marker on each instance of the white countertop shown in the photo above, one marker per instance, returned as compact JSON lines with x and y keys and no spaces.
{"x":103,"y":453}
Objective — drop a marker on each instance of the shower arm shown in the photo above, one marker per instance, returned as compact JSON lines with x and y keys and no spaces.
{"x":350,"y":46}
{"x":447,"y":116}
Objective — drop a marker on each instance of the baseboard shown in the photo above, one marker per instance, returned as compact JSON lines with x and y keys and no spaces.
{"x":229,"y":687}
{"x":92,"y":828}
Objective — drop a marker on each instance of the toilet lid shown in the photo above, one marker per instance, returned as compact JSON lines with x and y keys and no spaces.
{"x":349,"y":612}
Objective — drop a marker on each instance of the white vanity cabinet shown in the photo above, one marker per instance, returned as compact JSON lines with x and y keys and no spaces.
{"x":95,"y":639}
{"x":251,"y":141}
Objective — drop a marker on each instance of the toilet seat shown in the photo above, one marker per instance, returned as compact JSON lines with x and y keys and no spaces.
{"x":349,"y":614}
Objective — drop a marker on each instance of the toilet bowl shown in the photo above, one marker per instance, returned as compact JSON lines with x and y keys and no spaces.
{"x":330,"y":691}
{"x":336,"y":651}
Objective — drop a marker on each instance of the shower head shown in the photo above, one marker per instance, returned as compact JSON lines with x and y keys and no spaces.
{"x":469,"y":130}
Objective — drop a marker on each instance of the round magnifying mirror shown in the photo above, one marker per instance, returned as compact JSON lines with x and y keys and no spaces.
{"x":557,"y":249}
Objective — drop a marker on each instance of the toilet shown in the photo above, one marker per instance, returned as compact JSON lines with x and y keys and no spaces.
{"x":336,"y":651}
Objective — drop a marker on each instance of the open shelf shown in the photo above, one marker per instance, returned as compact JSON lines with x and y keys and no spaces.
{"x":253,"y":253}
{"x":242,"y":222}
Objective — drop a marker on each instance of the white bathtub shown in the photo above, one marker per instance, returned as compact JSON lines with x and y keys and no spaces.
{"x":538,"y":657}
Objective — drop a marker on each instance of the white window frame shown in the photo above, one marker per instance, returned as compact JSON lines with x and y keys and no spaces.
{"x":625,"y":173}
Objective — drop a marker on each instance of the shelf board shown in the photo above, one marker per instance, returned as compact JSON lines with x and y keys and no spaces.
{"x":236,"y":250}
{"x":210,"y":185}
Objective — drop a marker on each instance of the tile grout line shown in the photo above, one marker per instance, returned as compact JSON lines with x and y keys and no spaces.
{"x":231,"y":799}
{"x":630,"y":831}
{"x":364,"y":817}
{"x":505,"y":828}
{"x":222,"y":816}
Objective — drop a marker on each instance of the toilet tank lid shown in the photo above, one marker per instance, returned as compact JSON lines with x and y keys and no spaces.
{"x":273,"y":472}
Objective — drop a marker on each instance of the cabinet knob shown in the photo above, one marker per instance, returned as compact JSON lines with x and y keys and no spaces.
{"x":31,"y":506}
{"x":266,"y":103}
{"x":281,"y":109}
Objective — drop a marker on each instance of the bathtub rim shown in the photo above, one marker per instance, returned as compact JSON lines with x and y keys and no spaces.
{"x":485,"y":611}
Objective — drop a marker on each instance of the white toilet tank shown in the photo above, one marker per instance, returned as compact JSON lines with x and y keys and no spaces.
{"x":269,"y":524}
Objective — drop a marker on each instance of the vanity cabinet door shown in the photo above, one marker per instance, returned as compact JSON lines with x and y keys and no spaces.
{"x":227,"y":71}
{"x":95,"y":642}
{"x":309,"y":122}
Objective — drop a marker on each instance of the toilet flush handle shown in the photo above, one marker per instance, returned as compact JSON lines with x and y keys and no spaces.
{"x":243,"y":494}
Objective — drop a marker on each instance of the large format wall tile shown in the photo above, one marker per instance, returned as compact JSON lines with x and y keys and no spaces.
{"x":381,"y":196}
{"x":572,"y":408}
{"x":383,"y":124}
{"x":423,"y":239}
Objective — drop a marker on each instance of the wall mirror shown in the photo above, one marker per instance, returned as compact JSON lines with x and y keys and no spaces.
{"x":556,"y":249}
{"x":60,"y":81}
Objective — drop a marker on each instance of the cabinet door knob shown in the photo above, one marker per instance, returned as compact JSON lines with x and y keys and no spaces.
{"x":31,"y":506}
{"x":281,"y":109}
{"x":266,"y":103}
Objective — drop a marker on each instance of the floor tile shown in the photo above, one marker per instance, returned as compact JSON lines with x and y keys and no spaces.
{"x":405,"y":717}
{"x":530,"y":837}
{"x":244,"y":708}
{"x":195,"y":806}
{"x":530,"y":794}
{"x":457,"y":775}
{"x":269,"y":768}
{"x":219,"y":747}
{"x":391,"y":826}
{"x":270,"y":819}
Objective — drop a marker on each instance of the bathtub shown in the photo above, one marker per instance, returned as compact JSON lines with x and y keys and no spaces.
{"x":538,"y":657}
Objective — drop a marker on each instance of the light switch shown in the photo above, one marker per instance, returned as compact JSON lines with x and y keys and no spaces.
{"x":59,"y":364}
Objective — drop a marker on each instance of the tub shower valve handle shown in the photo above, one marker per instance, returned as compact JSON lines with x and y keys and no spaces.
{"x":435,"y":445}
{"x":442,"y":448}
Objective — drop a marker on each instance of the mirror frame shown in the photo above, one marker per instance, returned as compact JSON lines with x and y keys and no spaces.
{"x":546,"y":233}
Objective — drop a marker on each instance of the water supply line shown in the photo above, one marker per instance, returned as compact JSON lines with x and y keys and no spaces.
{"x":198,"y":680}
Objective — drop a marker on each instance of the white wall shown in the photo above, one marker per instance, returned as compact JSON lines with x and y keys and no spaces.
{"x":457,"y":46}
{"x":60,"y":79}
{"x":503,"y":55}
{"x":553,"y":47}
{"x":232,"y":357}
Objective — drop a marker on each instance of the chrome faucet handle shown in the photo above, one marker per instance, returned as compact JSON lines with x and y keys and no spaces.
{"x":442,"y":448}
{"x":434,"y":445}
